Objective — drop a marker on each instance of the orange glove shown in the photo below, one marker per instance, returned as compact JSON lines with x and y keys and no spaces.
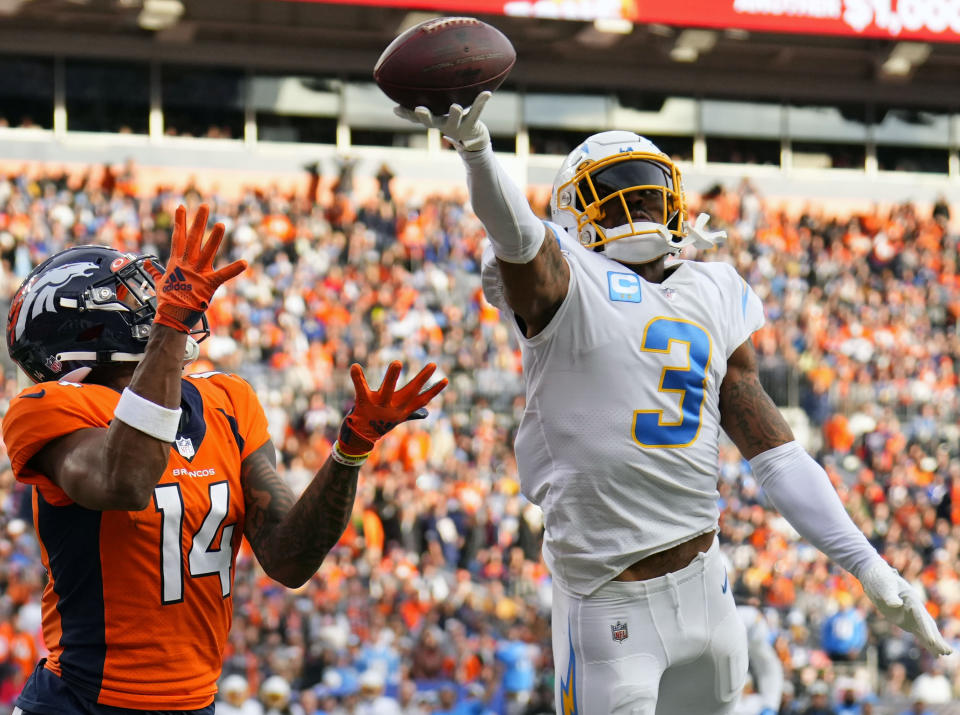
{"x":376,"y":413}
{"x":185,"y":290}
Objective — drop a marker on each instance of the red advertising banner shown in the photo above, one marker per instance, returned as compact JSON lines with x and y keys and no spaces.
{"x":923,"y":20}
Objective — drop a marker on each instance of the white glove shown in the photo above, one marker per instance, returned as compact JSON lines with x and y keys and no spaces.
{"x":902,"y":604}
{"x":702,"y":238}
{"x":461,"y":126}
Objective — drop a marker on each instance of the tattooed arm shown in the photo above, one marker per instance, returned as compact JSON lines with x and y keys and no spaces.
{"x":290,"y":536}
{"x":536,"y":289}
{"x":791,"y":479}
{"x":291,"y":539}
{"x":748,"y":415}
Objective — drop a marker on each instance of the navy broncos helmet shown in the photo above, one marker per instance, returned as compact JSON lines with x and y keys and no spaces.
{"x":85,"y":306}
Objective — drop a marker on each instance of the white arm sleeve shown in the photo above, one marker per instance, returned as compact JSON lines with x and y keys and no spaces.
{"x":514,"y":230}
{"x":801,"y":490}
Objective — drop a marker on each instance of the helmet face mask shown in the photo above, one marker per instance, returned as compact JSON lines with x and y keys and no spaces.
{"x":84,"y":307}
{"x":617,"y":185}
{"x":630,"y":190}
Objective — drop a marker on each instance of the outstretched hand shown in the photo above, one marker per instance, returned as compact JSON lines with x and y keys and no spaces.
{"x":184,"y":292}
{"x":903,"y":605}
{"x":461,"y":126}
{"x":376,"y":412}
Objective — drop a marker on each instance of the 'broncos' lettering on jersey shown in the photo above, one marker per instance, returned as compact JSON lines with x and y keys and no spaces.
{"x":107,"y":568}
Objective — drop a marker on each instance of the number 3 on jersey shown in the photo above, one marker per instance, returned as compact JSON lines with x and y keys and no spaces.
{"x":689,"y":381}
{"x":203,"y":560}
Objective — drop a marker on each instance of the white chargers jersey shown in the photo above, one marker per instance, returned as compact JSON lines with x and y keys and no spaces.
{"x":619,"y":440}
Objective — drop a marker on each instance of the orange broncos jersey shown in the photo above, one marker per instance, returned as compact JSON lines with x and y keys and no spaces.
{"x":138,"y":604}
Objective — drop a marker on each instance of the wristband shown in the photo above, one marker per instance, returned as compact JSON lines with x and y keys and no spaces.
{"x":348,"y":460}
{"x":148,"y":417}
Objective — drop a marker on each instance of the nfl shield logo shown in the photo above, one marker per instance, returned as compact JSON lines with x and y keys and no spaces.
{"x":53,"y":364}
{"x":185,"y":447}
{"x":619,"y":632}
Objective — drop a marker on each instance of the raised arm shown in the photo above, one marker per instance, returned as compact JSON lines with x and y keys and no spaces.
{"x":290,"y":536}
{"x":535,"y":274}
{"x":801,"y":491}
{"x":118,"y":467}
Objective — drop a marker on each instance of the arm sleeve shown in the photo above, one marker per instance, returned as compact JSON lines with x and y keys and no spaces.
{"x":801,"y":491}
{"x":515,"y":232}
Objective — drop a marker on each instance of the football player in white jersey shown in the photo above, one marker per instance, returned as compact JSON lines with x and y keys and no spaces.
{"x":632,"y":366}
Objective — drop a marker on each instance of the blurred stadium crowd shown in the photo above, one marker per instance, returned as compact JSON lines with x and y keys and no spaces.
{"x":436,"y":600}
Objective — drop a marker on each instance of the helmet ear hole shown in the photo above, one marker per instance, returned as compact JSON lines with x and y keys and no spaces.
{"x":91,"y":333}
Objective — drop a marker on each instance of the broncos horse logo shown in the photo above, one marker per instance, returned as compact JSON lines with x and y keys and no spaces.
{"x":38,"y":295}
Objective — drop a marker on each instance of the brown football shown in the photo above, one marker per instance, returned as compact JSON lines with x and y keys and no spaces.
{"x":444,"y":61}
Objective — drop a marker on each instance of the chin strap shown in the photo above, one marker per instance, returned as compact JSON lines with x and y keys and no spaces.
{"x":643,"y":248}
{"x":191,"y":352}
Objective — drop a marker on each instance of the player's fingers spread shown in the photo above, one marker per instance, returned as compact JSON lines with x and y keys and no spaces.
{"x":359,"y":381}
{"x":424,"y":397}
{"x":389,"y":384}
{"x":179,"y":232}
{"x":228,"y":272}
{"x":199,"y":225}
{"x":405,"y":113}
{"x":197,"y":230}
{"x":424,"y":116}
{"x":479,"y":103}
{"x":211,"y":246}
{"x":420,"y":379}
{"x":434,"y":390}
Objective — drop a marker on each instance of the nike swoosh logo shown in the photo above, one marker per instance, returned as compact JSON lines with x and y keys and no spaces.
{"x":726,"y":581}
{"x":37,"y":395}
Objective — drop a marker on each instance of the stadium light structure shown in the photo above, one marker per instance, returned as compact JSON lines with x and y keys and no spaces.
{"x":903,"y":59}
{"x":613,"y":25}
{"x":690,"y":44}
{"x":604,"y":32}
{"x":160,"y":14}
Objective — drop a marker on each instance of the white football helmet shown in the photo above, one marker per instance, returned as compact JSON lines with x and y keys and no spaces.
{"x":619,"y":191}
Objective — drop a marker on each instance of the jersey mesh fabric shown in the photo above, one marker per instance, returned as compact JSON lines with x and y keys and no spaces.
{"x":619,"y":440}
{"x":138,"y":606}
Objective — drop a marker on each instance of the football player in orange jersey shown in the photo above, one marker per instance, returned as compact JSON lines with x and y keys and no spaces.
{"x":146,"y":480}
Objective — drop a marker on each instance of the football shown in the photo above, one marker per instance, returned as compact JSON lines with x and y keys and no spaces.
{"x":444,"y":61}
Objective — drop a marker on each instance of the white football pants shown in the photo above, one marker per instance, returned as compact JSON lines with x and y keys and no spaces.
{"x":672,"y":645}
